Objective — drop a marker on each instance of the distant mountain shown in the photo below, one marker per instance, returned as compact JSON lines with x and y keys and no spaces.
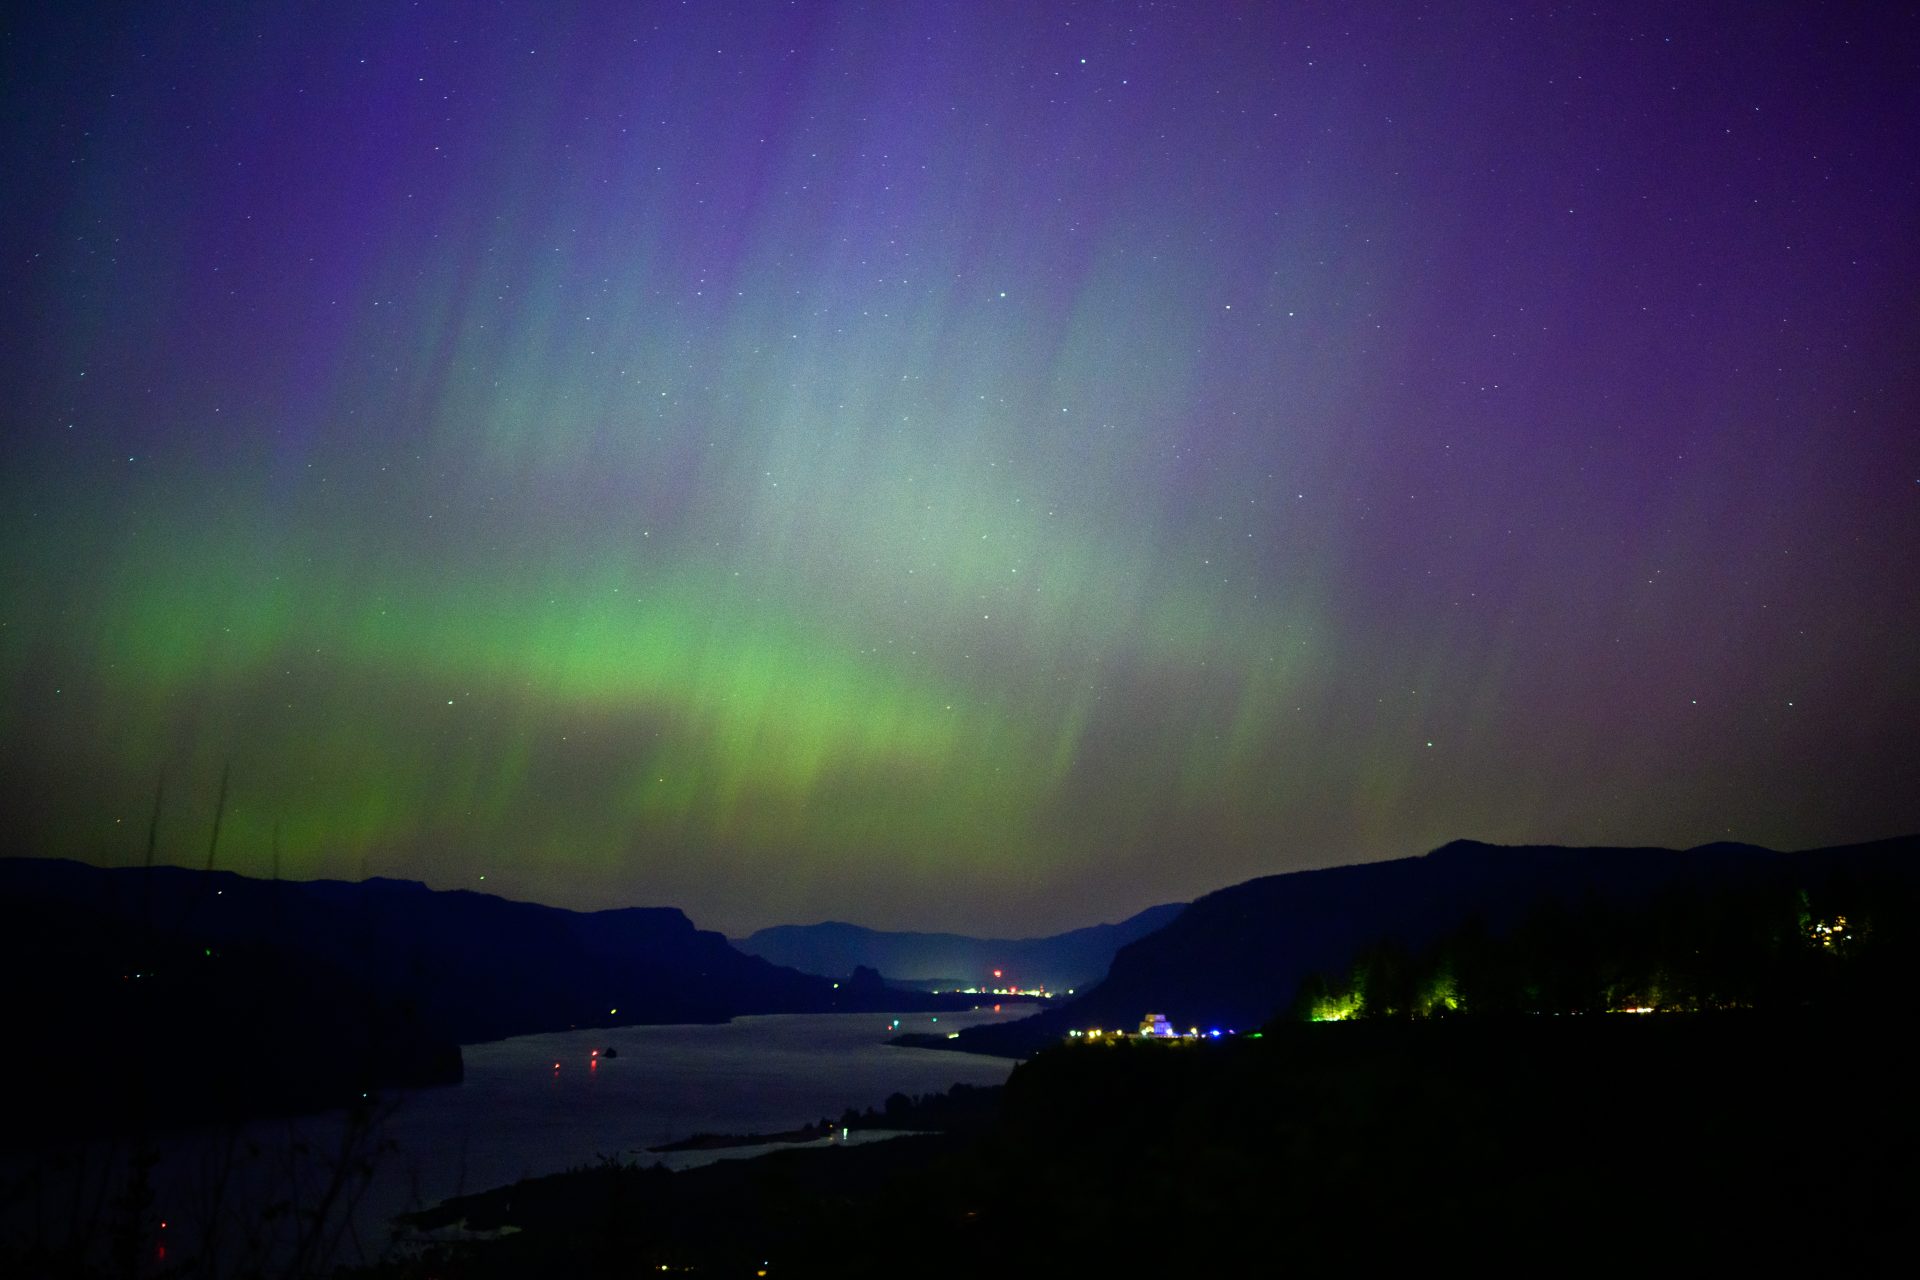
{"x":217,"y":993}
{"x":1236,"y":957}
{"x":1059,"y":962}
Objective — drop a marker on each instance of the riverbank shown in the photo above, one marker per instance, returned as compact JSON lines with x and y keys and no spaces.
{"x":529,"y":1106}
{"x":1714,"y":1141}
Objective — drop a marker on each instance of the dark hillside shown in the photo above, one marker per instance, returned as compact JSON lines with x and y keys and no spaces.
{"x":117,"y":1033}
{"x":1236,"y":957}
{"x":1717,"y":1142}
{"x":166,"y":995}
{"x":477,"y":967}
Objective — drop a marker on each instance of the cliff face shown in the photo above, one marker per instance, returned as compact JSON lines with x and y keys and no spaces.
{"x":471,"y":966}
{"x":167,"y":996}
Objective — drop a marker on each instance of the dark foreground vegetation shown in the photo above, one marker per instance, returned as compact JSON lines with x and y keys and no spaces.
{"x":1836,"y":935}
{"x":1555,"y":1143}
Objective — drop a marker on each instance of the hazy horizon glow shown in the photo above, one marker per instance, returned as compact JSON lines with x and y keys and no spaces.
{"x":988,"y":467}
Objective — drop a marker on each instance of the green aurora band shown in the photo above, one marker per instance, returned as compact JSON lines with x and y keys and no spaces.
{"x":975,"y":466}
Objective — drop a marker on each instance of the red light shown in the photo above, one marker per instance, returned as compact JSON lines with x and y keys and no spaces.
{"x":596,"y":1053}
{"x":163,"y":1226}
{"x":996,"y":973}
{"x":556,"y":1066}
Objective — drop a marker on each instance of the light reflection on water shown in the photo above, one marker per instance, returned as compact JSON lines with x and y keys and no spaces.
{"x":517,"y":1116}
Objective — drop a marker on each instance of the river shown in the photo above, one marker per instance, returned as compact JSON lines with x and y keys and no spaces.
{"x":533,"y":1105}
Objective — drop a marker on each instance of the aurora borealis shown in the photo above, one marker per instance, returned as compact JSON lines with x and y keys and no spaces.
{"x":975,"y":466}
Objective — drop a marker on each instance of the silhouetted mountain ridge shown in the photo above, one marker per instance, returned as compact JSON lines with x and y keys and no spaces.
{"x":225,"y":994}
{"x":1237,"y":956}
{"x":1057,"y":962}
{"x":479,"y":967}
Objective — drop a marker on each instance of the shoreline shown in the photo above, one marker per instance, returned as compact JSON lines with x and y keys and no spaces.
{"x":726,"y":1141}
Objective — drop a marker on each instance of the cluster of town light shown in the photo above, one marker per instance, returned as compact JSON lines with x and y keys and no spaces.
{"x":1828,"y":933}
{"x":1153,"y":1027}
{"x":1002,"y":988}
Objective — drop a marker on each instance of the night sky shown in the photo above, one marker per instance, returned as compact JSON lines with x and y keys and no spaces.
{"x":980,"y":466}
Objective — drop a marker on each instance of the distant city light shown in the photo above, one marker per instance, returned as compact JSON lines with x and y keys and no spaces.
{"x":1154,"y":1028}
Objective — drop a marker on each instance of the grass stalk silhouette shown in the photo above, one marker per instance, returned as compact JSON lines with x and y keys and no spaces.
{"x":233,"y":1198}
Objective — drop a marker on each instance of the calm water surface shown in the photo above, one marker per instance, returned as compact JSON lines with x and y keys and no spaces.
{"x":517,"y":1115}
